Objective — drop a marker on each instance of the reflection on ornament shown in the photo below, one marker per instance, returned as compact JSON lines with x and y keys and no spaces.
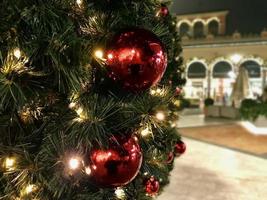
{"x":17,"y":53}
{"x":160,"y":116}
{"x":136,"y":58}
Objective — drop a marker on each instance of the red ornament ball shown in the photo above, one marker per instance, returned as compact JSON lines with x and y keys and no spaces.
{"x":164,"y":11}
{"x":118,"y":165}
{"x":179,"y":148}
{"x":152,"y":186}
{"x":136,"y":58}
{"x":170,"y":158}
{"x":178,"y":91}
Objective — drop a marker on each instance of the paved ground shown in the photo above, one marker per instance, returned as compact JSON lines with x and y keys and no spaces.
{"x":208,"y":172}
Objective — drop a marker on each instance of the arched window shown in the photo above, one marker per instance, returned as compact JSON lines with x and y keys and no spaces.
{"x":196,"y":70}
{"x":213,"y":27}
{"x":221,"y":70}
{"x":198,"y":30}
{"x":184,"y":29}
{"x":254,"y":69}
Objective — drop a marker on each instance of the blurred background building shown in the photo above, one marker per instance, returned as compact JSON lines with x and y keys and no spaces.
{"x":217,"y":40}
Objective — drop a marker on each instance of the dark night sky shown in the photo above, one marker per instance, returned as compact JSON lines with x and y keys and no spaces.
{"x":247,"y":16}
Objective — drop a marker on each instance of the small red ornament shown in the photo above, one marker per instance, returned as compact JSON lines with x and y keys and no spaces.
{"x":152,"y":186}
{"x":179,"y":148}
{"x":164,"y":11}
{"x":170,"y":158}
{"x":118,"y":165}
{"x":136,"y":58}
{"x":178,"y":91}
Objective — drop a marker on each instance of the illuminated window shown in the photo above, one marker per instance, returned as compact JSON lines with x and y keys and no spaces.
{"x":196,"y":70}
{"x":254,"y":69}
{"x":221,"y":70}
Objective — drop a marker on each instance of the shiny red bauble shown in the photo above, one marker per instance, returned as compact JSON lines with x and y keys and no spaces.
{"x":178,"y":91}
{"x":179,"y":148}
{"x":118,"y":165}
{"x":170,"y":158}
{"x":152,"y":186}
{"x":136,"y":58}
{"x":164,"y":11}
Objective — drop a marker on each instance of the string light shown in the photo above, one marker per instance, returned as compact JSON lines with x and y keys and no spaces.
{"x":120,"y":193}
{"x":146,"y":132}
{"x":160,"y":116}
{"x":10,"y":163}
{"x":17,"y":53}
{"x":81,"y":113}
{"x":99,"y":54}
{"x":79,"y":2}
{"x":72,"y":105}
{"x":74,"y":163}
{"x":88,"y":170}
{"x":30,"y":188}
{"x":157,"y":92}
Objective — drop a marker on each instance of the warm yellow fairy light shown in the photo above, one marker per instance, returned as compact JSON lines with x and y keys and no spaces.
{"x":88,"y":170}
{"x":99,"y":54}
{"x":157,"y":92}
{"x":74,"y":163}
{"x":9,"y":163}
{"x":120,"y":193}
{"x":160,"y":116}
{"x":79,"y":2}
{"x":72,"y":105}
{"x":146,"y":132}
{"x":30,"y":188}
{"x":152,"y":92}
{"x":17,"y":53}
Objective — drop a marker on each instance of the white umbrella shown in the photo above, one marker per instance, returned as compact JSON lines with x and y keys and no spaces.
{"x":241,"y":89}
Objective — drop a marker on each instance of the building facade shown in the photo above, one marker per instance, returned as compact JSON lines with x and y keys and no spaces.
{"x":213,"y":58}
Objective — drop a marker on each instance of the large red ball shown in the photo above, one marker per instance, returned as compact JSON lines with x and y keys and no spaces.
{"x":152,"y":186}
{"x":118,"y":165}
{"x":136,"y":58}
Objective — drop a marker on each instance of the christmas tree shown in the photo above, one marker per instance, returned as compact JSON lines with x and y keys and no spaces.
{"x":90,"y":91}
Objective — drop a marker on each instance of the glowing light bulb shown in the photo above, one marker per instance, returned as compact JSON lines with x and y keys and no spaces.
{"x":120,"y":194}
{"x":79,"y":2}
{"x":79,"y":111}
{"x":17,"y":53}
{"x":74,"y":163}
{"x":99,"y":54}
{"x":30,"y":188}
{"x":88,"y":170}
{"x":72,"y":105}
{"x":236,"y":58}
{"x":9,"y":163}
{"x":160,"y":116}
{"x":146,"y":132}
{"x":152,"y":92}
